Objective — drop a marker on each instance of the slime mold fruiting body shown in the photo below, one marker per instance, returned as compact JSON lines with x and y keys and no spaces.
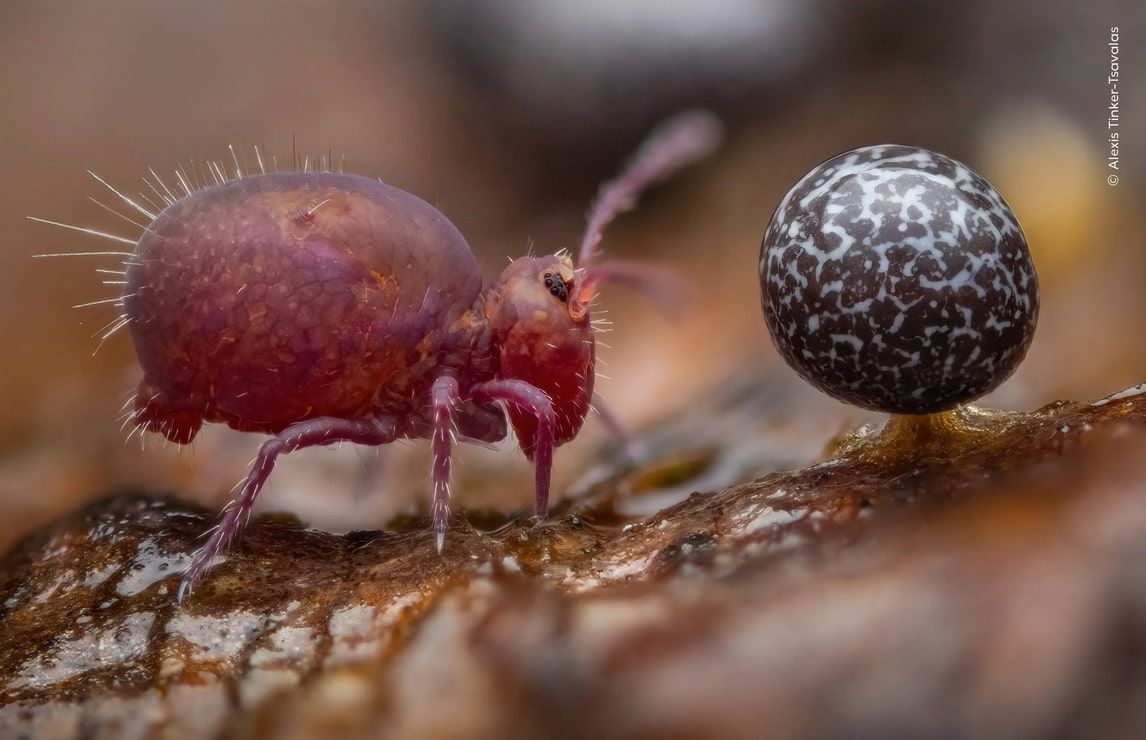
{"x":897,"y":279}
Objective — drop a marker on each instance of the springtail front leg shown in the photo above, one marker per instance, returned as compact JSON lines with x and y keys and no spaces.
{"x":533,"y":400}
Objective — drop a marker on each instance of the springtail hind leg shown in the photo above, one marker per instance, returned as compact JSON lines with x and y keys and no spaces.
{"x":311,"y":433}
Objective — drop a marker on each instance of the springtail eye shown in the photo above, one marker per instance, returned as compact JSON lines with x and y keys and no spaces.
{"x":556,"y":285}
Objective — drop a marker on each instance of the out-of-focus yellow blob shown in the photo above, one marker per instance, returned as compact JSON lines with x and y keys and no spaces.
{"x":1054,"y":177}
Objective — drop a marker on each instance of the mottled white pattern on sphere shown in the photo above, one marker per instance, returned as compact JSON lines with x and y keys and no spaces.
{"x":898,"y":279}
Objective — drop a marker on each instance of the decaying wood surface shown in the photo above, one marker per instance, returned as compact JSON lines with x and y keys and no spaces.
{"x":998,"y":590}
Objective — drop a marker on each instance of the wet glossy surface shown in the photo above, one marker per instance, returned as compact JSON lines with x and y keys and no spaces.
{"x":878,"y":591}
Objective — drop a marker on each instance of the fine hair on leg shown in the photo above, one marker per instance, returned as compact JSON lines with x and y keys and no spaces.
{"x":444,"y":395}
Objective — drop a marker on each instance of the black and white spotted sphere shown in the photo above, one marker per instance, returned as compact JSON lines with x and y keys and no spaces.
{"x":897,"y":279}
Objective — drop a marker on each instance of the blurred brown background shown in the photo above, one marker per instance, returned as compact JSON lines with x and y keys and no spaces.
{"x":507,"y":115}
